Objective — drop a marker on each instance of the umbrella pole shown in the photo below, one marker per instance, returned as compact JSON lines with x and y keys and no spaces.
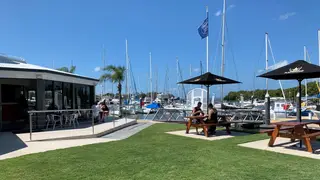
{"x":207,"y":99}
{"x":299,"y":106}
{"x":299,"y":102}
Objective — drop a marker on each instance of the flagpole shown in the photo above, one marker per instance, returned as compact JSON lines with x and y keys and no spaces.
{"x":222,"y":45}
{"x":207,"y":39}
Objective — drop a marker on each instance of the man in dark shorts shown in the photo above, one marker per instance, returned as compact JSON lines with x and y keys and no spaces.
{"x":197,"y":111}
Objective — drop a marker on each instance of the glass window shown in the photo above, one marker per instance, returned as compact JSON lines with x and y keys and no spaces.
{"x":32,"y":99}
{"x":48,"y":95}
{"x":67,"y":96}
{"x":10,"y":93}
{"x":58,"y":95}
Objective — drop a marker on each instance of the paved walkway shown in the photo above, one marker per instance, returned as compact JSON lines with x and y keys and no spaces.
{"x":62,"y":134}
{"x":284,"y":146}
{"x":12,"y":146}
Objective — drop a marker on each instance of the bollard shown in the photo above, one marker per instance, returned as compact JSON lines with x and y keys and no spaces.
{"x":30,"y":122}
{"x":310,"y":115}
{"x":92,"y":122}
{"x":267,"y":109}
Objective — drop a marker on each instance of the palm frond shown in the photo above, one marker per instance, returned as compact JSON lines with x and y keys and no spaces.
{"x":64,"y":69}
{"x":105,"y":77}
{"x":72,"y":69}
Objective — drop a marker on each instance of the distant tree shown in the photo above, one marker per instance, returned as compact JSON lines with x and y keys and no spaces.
{"x":66,"y":69}
{"x":290,"y":93}
{"x":115,"y":75}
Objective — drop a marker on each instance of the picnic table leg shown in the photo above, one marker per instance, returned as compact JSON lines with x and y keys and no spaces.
{"x":188,"y":126}
{"x":205,"y":130}
{"x":274,"y":135}
{"x":228,"y":128}
{"x":308,"y":144}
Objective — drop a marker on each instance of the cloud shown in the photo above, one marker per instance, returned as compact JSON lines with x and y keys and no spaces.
{"x":285,"y":16}
{"x":275,"y":66}
{"x":231,"y":6}
{"x":219,"y":12}
{"x":278,"y":65}
{"x":261,"y":70}
{"x":196,"y":69}
{"x":97,"y":69}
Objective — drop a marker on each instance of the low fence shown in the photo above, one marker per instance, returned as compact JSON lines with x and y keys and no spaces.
{"x":48,"y":120}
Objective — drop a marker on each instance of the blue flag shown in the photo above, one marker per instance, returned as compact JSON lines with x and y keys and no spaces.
{"x":204,"y":29}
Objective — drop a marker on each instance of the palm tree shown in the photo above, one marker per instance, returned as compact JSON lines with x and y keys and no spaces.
{"x":115,"y":74}
{"x":66,"y":69}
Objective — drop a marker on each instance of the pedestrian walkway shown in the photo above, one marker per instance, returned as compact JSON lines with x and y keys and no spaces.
{"x":12,"y":146}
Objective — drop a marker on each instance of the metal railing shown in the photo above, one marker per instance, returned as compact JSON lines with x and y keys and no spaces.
{"x":34,"y":112}
{"x":39,"y":118}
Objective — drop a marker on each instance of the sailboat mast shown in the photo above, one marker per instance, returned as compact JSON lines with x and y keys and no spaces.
{"x":104,"y":65}
{"x":266,"y":39}
{"x":190,"y":74}
{"x":127,"y":69}
{"x":151,"y":76}
{"x":177,"y":61}
{"x":305,"y":81}
{"x":156,"y":79}
{"x":222,"y":44}
{"x":319,"y":50}
{"x":207,"y":40}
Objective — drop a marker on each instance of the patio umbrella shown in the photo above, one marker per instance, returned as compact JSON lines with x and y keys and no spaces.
{"x":208,"y":79}
{"x":298,"y":70}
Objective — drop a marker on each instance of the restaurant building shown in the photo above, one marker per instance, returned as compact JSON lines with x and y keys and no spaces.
{"x":24,"y":85}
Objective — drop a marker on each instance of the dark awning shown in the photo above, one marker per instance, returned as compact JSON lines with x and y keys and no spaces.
{"x":208,"y":79}
{"x":299,"y":70}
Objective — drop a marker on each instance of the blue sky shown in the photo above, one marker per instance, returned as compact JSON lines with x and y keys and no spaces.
{"x":44,"y":32}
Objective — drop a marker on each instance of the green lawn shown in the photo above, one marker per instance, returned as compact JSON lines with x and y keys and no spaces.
{"x":153,"y":154}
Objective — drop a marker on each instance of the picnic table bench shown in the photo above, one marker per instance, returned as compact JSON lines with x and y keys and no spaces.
{"x":205,"y":126}
{"x":294,"y":130}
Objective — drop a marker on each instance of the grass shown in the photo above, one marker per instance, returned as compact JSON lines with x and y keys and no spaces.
{"x":153,"y":154}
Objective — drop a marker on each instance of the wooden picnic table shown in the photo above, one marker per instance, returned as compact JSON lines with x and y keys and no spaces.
{"x":294,"y":130}
{"x":204,"y":125}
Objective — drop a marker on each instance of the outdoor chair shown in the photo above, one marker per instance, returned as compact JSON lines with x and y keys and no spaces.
{"x":53,"y":118}
{"x":317,"y":113}
{"x":73,"y":119}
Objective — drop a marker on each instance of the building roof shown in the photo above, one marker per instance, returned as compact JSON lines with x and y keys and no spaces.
{"x":9,"y":63}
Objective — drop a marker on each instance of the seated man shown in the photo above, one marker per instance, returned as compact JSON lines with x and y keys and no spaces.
{"x":197,"y":111}
{"x":212,"y":118}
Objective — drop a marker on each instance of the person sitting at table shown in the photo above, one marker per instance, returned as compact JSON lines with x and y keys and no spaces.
{"x":212,"y":118}
{"x":104,"y":110}
{"x":197,"y":111}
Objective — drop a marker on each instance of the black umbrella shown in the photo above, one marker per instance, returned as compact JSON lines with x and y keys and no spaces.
{"x":298,"y":70}
{"x":208,"y":79}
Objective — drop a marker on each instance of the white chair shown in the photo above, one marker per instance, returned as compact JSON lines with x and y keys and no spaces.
{"x":317,"y":113}
{"x":74,"y":120}
{"x":53,"y":118}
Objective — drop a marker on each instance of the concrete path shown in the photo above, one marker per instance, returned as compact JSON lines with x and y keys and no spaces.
{"x":68,"y":134}
{"x":219,"y":135}
{"x":128,"y":131}
{"x":12,"y":146}
{"x":284,"y":146}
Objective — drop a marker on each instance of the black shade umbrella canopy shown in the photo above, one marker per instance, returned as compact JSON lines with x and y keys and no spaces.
{"x":298,"y":70}
{"x":208,"y":79}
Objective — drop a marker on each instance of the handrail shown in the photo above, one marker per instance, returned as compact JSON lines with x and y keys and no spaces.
{"x":62,"y":110}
